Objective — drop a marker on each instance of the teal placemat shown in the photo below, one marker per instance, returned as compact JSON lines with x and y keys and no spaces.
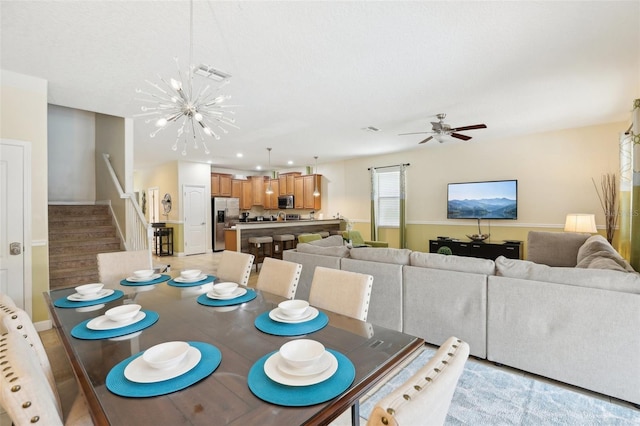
{"x":81,"y":331}
{"x":249,"y":295}
{"x":300,"y":396}
{"x":120,"y":385}
{"x":209,"y":279}
{"x":269,"y":326}
{"x":63,"y":302}
{"x":158,"y":280}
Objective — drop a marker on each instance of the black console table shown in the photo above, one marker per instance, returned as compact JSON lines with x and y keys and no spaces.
{"x":511,"y":250}
{"x":163,"y":241}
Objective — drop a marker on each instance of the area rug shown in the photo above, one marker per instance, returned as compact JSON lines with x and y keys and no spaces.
{"x":490,"y":395}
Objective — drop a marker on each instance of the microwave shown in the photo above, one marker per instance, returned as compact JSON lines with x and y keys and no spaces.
{"x":285,"y":202}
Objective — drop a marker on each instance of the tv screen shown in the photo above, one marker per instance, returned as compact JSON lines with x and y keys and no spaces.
{"x":483,"y":200}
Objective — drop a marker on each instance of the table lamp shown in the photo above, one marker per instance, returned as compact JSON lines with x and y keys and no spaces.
{"x":580,"y":222}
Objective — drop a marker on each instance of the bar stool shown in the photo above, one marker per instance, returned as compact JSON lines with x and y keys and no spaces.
{"x":323,"y":234}
{"x":286,"y":242}
{"x":258,"y":243}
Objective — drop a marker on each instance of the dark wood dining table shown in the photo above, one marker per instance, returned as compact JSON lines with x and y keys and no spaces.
{"x":223,"y":397}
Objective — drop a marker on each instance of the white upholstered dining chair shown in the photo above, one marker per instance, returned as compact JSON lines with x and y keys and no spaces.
{"x":235,"y":267}
{"x":425,"y":398}
{"x":342,"y":292}
{"x":115,"y":266}
{"x":279,"y":277}
{"x":25,"y":392}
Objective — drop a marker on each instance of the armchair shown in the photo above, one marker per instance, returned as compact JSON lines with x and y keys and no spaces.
{"x":357,"y":240}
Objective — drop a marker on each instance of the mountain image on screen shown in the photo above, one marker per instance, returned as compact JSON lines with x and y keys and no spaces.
{"x":486,"y":208}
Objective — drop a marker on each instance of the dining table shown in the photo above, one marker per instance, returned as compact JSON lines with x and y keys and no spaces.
{"x":235,"y":339}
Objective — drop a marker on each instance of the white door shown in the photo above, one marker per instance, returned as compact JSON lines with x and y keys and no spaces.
{"x":14,"y":189}
{"x":195,"y":222}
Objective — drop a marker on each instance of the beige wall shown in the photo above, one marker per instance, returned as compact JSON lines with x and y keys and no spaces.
{"x":554,"y":172}
{"x":23,"y":116}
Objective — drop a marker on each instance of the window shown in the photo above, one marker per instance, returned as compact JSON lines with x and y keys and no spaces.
{"x":388,"y":198}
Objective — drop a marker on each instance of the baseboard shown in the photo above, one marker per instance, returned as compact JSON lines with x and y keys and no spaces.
{"x":43,"y":325}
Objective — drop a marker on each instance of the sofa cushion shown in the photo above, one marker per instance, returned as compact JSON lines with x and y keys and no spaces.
{"x":332,"y":241}
{"x":472,"y":265}
{"x":554,"y":248}
{"x":594,"y":278}
{"x":337,"y":251}
{"x":384,"y":255}
{"x":597,"y":253}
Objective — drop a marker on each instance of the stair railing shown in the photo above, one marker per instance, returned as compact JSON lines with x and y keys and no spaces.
{"x":139,"y":233}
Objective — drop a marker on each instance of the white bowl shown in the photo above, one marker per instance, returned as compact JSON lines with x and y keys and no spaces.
{"x":190,"y":273}
{"x":165,"y":355}
{"x":224,"y":289}
{"x":301,"y":353}
{"x":123,"y":312}
{"x":143,"y":273}
{"x":89,"y":289}
{"x":293,"y":308}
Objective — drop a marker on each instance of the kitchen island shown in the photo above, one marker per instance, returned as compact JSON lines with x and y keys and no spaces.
{"x":242,"y":231}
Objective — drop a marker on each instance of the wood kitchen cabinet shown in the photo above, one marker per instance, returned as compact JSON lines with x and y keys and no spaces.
{"x":271,"y":201}
{"x":287,"y":182}
{"x":310,"y":183}
{"x":246,"y":200}
{"x":298,"y":193}
{"x":220,"y":185}
{"x":236,"y":188}
{"x":257,"y":188}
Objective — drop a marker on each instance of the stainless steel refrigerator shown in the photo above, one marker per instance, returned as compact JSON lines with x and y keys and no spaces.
{"x":225,"y":213}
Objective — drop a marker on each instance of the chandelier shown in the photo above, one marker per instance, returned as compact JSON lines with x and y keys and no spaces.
{"x":199,"y":113}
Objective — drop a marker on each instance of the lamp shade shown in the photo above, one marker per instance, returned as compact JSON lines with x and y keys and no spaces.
{"x":580,"y":222}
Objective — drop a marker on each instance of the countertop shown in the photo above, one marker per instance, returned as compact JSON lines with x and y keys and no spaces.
{"x":284,"y":223}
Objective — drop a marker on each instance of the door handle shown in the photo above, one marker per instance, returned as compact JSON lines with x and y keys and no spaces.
{"x":15,"y":249}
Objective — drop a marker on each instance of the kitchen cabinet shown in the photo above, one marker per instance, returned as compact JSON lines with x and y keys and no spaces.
{"x":236,"y":188}
{"x":246,"y":201}
{"x":310,"y":183}
{"x":220,"y":185}
{"x":257,"y":189}
{"x":298,"y":193}
{"x":287,"y":182}
{"x":271,"y":201}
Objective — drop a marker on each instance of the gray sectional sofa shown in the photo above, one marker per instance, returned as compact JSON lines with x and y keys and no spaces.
{"x":571,"y":312}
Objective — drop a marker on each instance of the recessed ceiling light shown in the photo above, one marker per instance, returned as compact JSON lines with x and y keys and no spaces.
{"x":258,"y":167}
{"x":372,"y":129}
{"x":289,"y":162}
{"x":239,"y":155}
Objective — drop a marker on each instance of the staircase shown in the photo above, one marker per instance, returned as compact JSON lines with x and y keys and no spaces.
{"x":76,"y":235}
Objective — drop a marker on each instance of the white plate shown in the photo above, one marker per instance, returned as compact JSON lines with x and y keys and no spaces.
{"x":141,"y":372}
{"x":143,"y":280}
{"x":323,"y":363}
{"x":236,"y":293}
{"x":190,"y":280}
{"x":104,"y":323}
{"x":277,"y":316}
{"x":75,"y":297}
{"x":274,"y":373}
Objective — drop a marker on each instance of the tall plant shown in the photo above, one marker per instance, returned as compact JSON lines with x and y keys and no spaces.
{"x":608,"y":195}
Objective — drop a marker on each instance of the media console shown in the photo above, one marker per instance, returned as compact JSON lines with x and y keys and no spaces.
{"x":511,"y":249}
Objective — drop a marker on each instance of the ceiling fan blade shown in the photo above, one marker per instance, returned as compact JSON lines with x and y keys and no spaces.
{"x":459,"y":136}
{"x":475,"y":126}
{"x":415,"y":133}
{"x":426,"y":140}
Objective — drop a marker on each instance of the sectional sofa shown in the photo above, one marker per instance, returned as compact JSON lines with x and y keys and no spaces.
{"x":570,"y":312}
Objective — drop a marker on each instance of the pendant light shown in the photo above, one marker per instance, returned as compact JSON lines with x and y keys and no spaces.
{"x":316,"y":193}
{"x":269,"y":190}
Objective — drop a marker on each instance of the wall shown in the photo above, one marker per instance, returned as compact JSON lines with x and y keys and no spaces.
{"x":23,"y":107}
{"x":554,"y":172}
{"x":71,"y":141}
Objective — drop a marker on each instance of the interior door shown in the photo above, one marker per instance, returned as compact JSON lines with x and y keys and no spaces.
{"x":195,"y":219}
{"x":13,"y":191}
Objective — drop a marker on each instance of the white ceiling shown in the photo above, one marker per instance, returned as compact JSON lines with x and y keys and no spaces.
{"x":308,"y":76}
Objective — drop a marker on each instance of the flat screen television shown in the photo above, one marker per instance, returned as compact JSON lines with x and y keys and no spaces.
{"x":483,"y":200}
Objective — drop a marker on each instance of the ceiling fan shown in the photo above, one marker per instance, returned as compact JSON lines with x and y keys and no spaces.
{"x":441,"y":130}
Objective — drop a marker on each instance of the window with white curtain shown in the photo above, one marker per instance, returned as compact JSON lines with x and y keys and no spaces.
{"x":388,"y":207}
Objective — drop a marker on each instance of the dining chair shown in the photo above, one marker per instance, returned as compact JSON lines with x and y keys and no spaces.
{"x":425,"y":398}
{"x":15,"y":320}
{"x":235,"y":267}
{"x":279,"y":277}
{"x":25,"y":392}
{"x":342,"y":292}
{"x":115,"y":266}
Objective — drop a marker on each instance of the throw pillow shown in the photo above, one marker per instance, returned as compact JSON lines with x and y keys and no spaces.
{"x":597,"y":253}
